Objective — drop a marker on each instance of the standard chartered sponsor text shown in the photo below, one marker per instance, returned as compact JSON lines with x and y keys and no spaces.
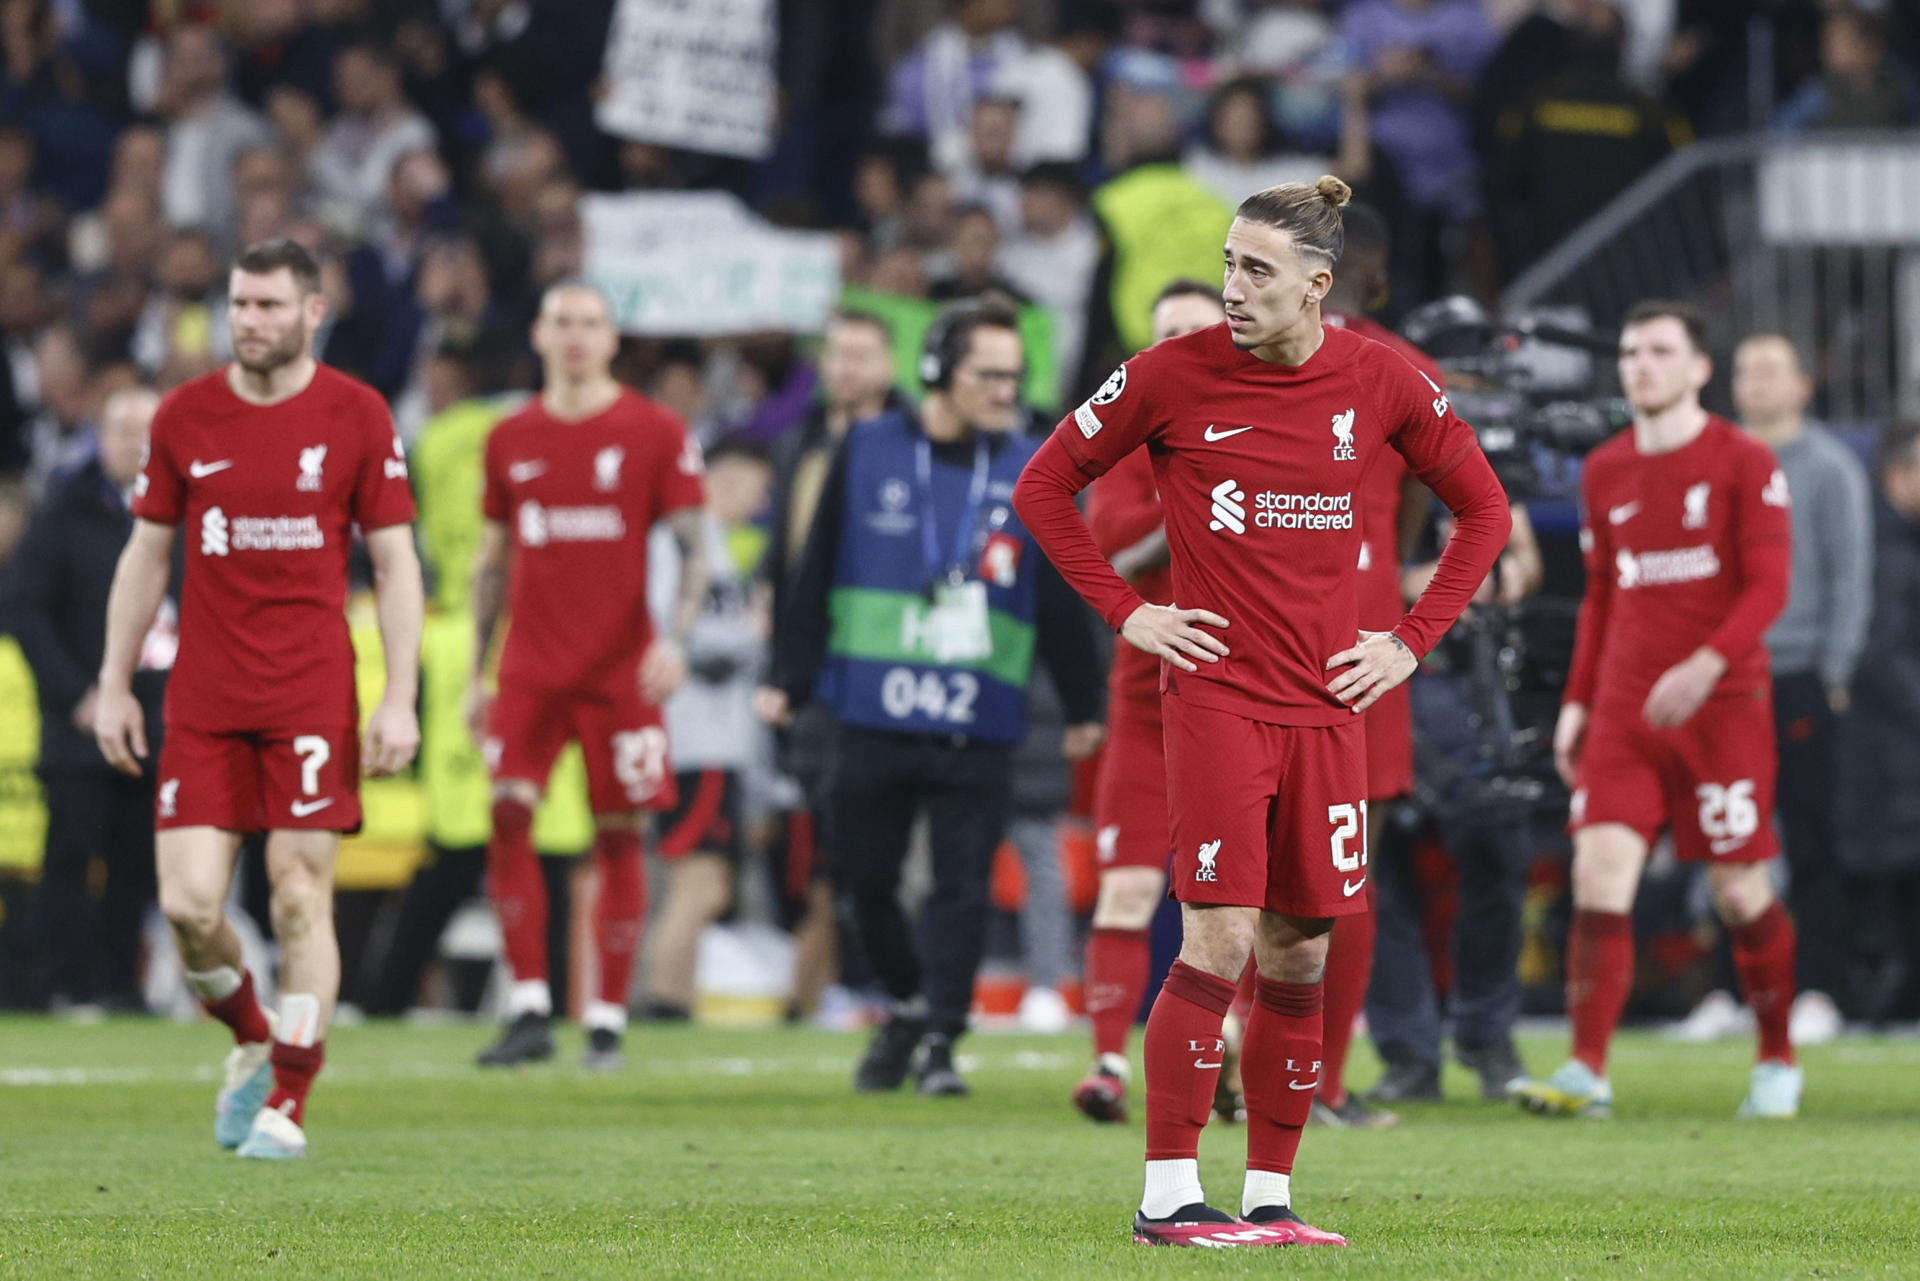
{"x":276,"y":533}
{"x":1303,"y":511}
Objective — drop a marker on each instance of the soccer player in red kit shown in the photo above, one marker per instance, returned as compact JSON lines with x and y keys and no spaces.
{"x":574,"y":483}
{"x":1667,"y":720}
{"x":1130,"y":794}
{"x":1259,"y":432}
{"x":268,"y":463}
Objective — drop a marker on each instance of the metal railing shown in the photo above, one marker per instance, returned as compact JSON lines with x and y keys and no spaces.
{"x":1816,"y":236}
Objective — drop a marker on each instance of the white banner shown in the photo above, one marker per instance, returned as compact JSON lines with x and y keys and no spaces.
{"x":696,"y":74}
{"x":701,"y":263}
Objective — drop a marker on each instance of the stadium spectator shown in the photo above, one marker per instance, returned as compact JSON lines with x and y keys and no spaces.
{"x":1878,"y":757}
{"x":989,"y":176}
{"x":1051,"y":259}
{"x":181,"y":332}
{"x":931,"y":91}
{"x":1666,"y":723}
{"x":1815,"y":645}
{"x":899,"y":619}
{"x":261,"y":715}
{"x":1243,"y":149}
{"x":207,"y":128}
{"x":1053,"y":83}
{"x":57,"y":609}
{"x":973,"y":260}
{"x":717,"y":740}
{"x":374,"y":128}
{"x":585,"y":469}
{"x":1861,"y":84}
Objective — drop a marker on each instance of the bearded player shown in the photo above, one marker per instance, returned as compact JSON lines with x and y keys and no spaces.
{"x":1668,"y":719}
{"x":574,"y":483}
{"x":1259,"y":433}
{"x":269,"y":463}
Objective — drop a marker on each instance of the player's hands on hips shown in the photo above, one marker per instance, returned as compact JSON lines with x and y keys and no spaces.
{"x":120,"y":727}
{"x":1082,"y":741}
{"x":393,"y":736}
{"x":663,"y":669}
{"x":1379,"y":662}
{"x":1677,"y":695}
{"x":1171,"y":633}
{"x":771,"y":705}
{"x":1569,"y":736}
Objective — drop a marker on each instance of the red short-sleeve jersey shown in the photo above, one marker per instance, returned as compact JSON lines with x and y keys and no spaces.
{"x":578,"y":499}
{"x":266,"y":496}
{"x":1260,"y":468}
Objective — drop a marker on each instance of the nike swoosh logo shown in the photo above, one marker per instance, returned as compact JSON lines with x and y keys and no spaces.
{"x":1351,"y":888}
{"x":303,"y":808}
{"x":523,"y":472}
{"x":1623,"y":513}
{"x":200,"y":471}
{"x":1727,"y":845}
{"x":1214,"y":433}
{"x":1202,"y":1063}
{"x":1296,"y":1085}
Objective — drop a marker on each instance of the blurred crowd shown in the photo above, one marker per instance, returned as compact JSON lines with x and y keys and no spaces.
{"x":1070,"y":154}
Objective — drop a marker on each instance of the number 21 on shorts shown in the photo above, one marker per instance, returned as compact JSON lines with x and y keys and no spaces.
{"x":1349,"y":821}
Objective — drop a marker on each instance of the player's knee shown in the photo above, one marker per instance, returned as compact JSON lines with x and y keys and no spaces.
{"x":1740,"y":894}
{"x":301,"y":903}
{"x":193,"y":912}
{"x":1127,"y":901}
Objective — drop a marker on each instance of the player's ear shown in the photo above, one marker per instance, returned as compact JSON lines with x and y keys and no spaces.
{"x":1319,"y":285}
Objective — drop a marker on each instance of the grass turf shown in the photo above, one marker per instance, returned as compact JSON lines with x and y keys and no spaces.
{"x":745,"y":1154}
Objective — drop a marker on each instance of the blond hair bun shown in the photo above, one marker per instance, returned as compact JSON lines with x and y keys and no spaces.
{"x":1333,"y":191}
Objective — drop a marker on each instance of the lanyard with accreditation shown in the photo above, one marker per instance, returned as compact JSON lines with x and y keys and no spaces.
{"x":956,"y":627}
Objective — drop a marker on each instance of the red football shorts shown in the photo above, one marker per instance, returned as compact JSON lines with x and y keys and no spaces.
{"x":621,"y":735}
{"x":1270,"y":816}
{"x":1711,"y":780}
{"x":1130,"y":796}
{"x":1389,"y":724}
{"x":259,"y":781}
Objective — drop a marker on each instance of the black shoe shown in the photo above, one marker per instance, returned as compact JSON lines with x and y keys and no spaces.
{"x":1496,"y":1063}
{"x":1189,"y":1225}
{"x":890,"y":1054}
{"x":665,"y":1012}
{"x":528,"y":1039}
{"x":603,"y":1052}
{"x":939,"y":1079}
{"x":1408,"y":1083}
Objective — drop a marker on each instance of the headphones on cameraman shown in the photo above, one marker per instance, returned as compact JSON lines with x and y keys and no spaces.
{"x":942,"y":349}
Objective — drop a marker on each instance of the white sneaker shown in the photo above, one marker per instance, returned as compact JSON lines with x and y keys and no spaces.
{"x":1044,"y":1010}
{"x":1815,"y":1019}
{"x":274,"y":1138}
{"x":1718,"y":1017}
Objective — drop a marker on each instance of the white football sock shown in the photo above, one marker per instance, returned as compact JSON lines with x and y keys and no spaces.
{"x":605,"y":1014}
{"x":216,"y":984}
{"x":529,"y":996}
{"x":1171,"y":1185}
{"x":1115,"y":1065}
{"x":1264,"y":1187}
{"x":299,"y":1019}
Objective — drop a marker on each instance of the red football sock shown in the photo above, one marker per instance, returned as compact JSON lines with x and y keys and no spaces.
{"x":1599,"y":976}
{"x":1349,"y":964}
{"x":620,"y":909}
{"x":1182,"y":1049}
{"x":241,"y":1011}
{"x":1242,"y":1007}
{"x":294,"y":1067}
{"x":518,"y":891}
{"x":1281,"y":1062}
{"x":1116,"y":979}
{"x":1763,"y":953}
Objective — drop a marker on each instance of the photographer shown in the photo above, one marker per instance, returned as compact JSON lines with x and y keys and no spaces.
{"x":916,"y":610}
{"x":1459,"y":719}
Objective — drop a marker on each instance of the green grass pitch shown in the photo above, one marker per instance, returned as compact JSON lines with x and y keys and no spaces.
{"x":745,"y":1154}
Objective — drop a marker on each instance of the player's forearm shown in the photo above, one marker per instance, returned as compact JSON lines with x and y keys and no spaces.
{"x":1765,"y":567}
{"x":1481,"y":523}
{"x":690,"y":601}
{"x":399,"y":598}
{"x":1044,"y":499}
{"x":1589,"y":629}
{"x":488,"y":598}
{"x":139,"y":585}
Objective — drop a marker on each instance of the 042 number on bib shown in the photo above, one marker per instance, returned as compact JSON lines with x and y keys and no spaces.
{"x":949,"y":698}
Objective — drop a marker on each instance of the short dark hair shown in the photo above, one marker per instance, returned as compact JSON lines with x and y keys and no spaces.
{"x":860,"y":316}
{"x":736,"y":445}
{"x":269,"y":256}
{"x":988,"y":311}
{"x":1061,"y":175}
{"x":1187,"y":287}
{"x":1670,"y":309}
